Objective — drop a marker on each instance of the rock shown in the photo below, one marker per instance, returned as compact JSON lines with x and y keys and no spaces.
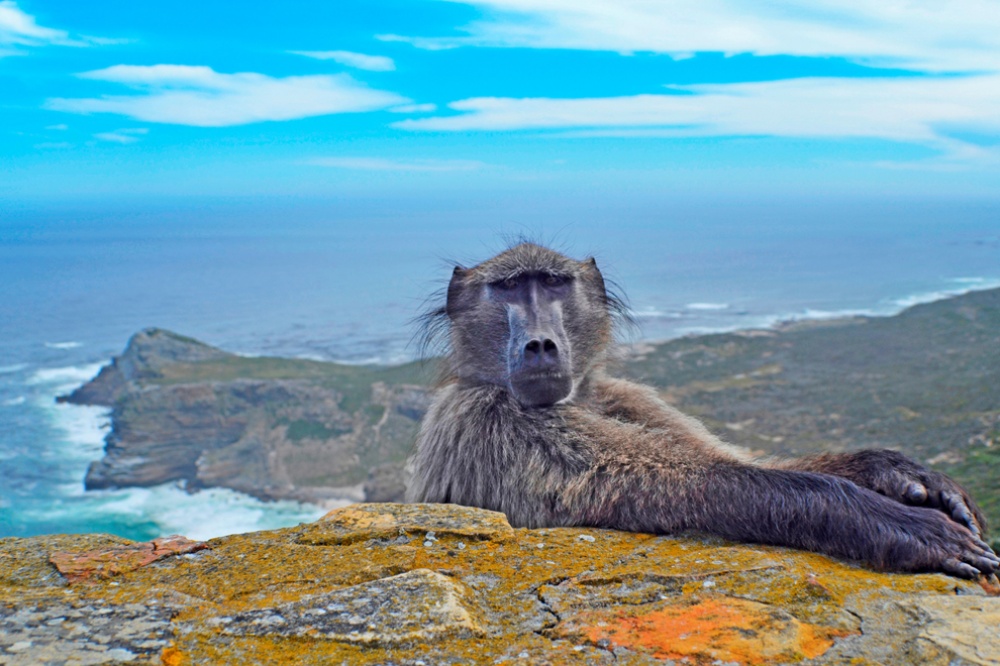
{"x":186,"y":412}
{"x":83,"y":632}
{"x":442,"y":584}
{"x":375,"y":521}
{"x":148,"y":352}
{"x":419,"y":606}
{"x":119,"y":559}
{"x":966,"y":628}
{"x":103,"y":390}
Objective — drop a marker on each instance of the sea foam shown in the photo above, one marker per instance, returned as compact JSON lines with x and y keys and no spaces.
{"x":707,"y":306}
{"x":81,"y":430}
{"x":65,"y":378}
{"x":206,"y":514}
{"x":963,"y":285}
{"x":63,"y":345}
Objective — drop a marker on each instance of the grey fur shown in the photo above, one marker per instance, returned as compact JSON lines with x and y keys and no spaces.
{"x":609,"y":453}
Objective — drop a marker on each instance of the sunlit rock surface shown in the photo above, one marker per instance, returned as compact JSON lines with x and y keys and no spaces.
{"x":441,"y":584}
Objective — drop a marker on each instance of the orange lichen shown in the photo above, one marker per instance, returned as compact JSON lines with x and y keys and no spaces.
{"x":991,"y":585}
{"x":171,"y":656}
{"x":722,"y":628}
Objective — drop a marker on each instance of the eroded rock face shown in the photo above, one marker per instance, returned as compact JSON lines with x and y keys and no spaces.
{"x":442,"y":584}
{"x":186,"y":412}
{"x":419,"y":606}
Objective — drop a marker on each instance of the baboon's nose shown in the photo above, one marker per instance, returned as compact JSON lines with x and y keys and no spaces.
{"x":541,"y":351}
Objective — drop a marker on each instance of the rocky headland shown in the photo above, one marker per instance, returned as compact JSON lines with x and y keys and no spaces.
{"x":182,"y":411}
{"x":441,"y":584}
{"x":925,"y":382}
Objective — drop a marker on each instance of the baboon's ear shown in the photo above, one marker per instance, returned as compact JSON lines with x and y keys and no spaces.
{"x":455,"y":289}
{"x":590,"y":267}
{"x":593,"y":274}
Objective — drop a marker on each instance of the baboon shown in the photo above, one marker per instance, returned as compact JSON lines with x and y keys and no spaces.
{"x":528,"y":422}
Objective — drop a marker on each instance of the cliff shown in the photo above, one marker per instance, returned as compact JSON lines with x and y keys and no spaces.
{"x":925,"y":382}
{"x":273,"y":428}
{"x":441,"y":584}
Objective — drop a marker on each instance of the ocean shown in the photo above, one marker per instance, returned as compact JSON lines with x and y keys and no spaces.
{"x":343,"y":281}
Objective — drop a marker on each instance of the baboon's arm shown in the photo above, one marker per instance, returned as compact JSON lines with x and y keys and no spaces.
{"x":636,"y":403}
{"x":892,"y":474}
{"x":640,"y":405}
{"x":649,"y":485}
{"x":887,"y":473}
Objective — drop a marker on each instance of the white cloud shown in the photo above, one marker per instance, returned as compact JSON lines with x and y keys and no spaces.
{"x":381,"y":164}
{"x":910,"y":109}
{"x":351,"y":59}
{"x":124,"y":136}
{"x":200,"y":96}
{"x":960,"y":35}
{"x":16,"y":27}
{"x":414,"y":108}
{"x":431,"y":43}
{"x":20,"y":29}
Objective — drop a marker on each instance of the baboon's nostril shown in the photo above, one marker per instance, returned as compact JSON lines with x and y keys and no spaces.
{"x":541,"y":350}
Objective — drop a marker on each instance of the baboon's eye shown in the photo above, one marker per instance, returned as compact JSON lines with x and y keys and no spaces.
{"x":509,"y":283}
{"x":554,"y":280}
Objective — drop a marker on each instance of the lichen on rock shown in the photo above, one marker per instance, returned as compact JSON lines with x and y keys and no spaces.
{"x":442,"y":584}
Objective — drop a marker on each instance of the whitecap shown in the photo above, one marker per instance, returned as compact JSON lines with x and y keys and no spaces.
{"x":83,"y":429}
{"x":811,"y":313}
{"x":206,"y":514}
{"x":707,"y":306}
{"x":964,"y":285}
{"x":67,"y":378}
{"x":650,"y":312}
{"x":11,"y":369}
{"x":63,"y":345}
{"x":371,"y":360}
{"x":13,"y":402}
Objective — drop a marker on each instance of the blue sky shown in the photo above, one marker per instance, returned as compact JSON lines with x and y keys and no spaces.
{"x":111,"y":101}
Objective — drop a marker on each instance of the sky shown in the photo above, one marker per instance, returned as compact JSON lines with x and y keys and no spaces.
{"x":108,"y":101}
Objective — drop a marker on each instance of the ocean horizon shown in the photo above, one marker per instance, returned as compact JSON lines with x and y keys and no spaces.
{"x":339,"y":290}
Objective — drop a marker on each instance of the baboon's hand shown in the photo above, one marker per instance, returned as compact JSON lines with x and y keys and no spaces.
{"x":897,"y":477}
{"x":929,"y":541}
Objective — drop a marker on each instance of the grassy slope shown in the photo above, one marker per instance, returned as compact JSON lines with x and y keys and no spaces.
{"x":353,"y":381}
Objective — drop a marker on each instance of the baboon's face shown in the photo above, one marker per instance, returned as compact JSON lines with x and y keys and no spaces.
{"x":530,"y":320}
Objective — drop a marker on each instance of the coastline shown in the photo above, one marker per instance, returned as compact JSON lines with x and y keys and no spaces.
{"x":140,"y":510}
{"x":791,"y":320}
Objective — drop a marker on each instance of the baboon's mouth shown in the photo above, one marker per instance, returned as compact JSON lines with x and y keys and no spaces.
{"x":541,"y":389}
{"x":542,"y":376}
